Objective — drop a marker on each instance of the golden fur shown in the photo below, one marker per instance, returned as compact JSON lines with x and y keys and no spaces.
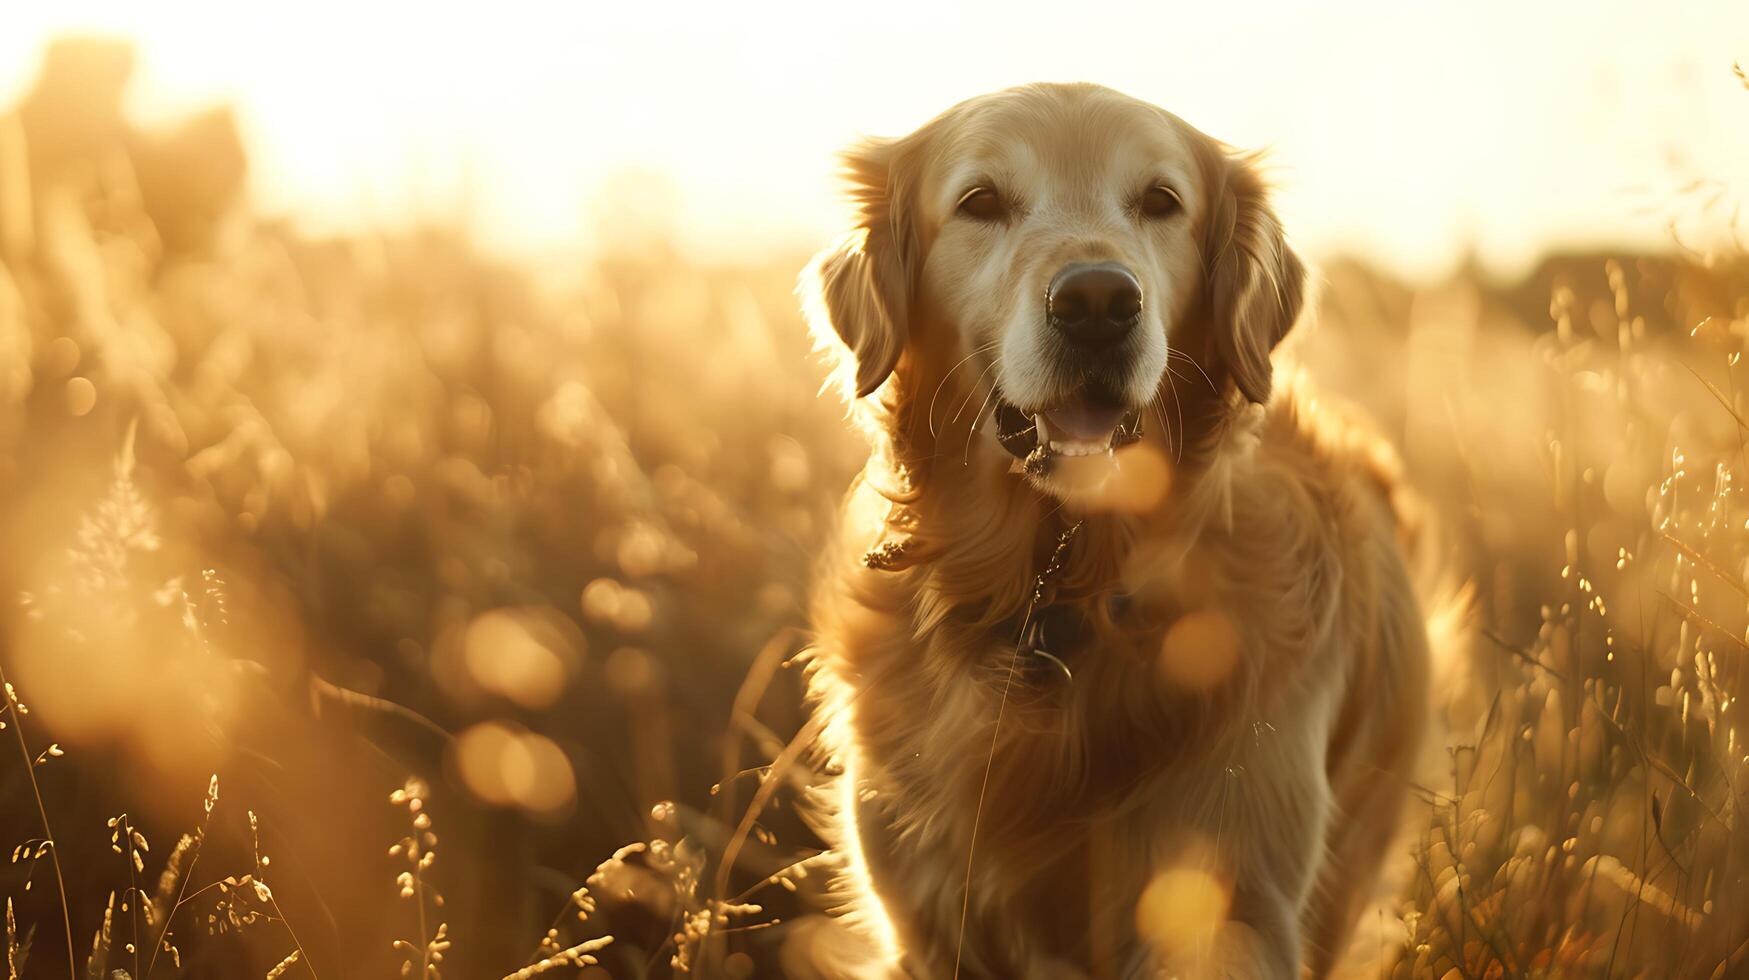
{"x":1237,"y":736}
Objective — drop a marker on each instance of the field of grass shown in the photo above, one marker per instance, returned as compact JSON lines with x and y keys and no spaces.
{"x":370,"y":607}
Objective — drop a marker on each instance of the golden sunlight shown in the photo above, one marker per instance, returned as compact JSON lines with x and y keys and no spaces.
{"x":1414,"y":134}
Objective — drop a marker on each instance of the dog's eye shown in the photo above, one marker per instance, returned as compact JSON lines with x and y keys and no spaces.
{"x":981,"y":203}
{"x":1160,"y":201}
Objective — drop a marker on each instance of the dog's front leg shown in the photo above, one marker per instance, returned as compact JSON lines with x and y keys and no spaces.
{"x":1234,"y":860}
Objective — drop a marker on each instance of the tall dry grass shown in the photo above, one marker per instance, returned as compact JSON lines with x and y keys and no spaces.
{"x":476,"y":590}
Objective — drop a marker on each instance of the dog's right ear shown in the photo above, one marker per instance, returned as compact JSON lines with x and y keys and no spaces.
{"x":857,"y":294}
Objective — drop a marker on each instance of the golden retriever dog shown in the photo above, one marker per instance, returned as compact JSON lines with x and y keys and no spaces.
{"x":1118,"y":663}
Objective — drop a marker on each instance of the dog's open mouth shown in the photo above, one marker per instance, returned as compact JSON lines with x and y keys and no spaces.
{"x":1088,"y":423}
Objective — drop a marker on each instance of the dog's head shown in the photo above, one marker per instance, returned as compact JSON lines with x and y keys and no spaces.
{"x":1074,"y":259}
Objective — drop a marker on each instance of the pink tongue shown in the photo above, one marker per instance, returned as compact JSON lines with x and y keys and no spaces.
{"x":1084,"y":422}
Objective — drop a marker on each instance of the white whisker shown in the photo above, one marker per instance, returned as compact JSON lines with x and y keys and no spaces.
{"x":1161,"y":416}
{"x":1173,"y":352}
{"x":966,"y":457}
{"x":1178,"y":410}
{"x":974,"y":391}
{"x":948,"y":377}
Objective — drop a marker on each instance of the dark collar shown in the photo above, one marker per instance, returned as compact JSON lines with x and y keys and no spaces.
{"x":1051,"y":630}
{"x":1054,"y":635}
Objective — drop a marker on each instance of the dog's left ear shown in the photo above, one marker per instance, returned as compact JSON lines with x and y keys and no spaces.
{"x":859,"y":291}
{"x":1256,"y":283}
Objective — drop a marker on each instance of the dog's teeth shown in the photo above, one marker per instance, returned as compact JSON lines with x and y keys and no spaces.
{"x":1076,"y":448}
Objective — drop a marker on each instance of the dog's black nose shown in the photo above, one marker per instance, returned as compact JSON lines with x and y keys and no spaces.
{"x":1095,"y":305}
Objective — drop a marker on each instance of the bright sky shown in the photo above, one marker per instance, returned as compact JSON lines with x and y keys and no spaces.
{"x":1406,"y":130}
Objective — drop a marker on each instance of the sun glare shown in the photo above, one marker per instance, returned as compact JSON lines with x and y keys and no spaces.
{"x":1410,"y":133}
